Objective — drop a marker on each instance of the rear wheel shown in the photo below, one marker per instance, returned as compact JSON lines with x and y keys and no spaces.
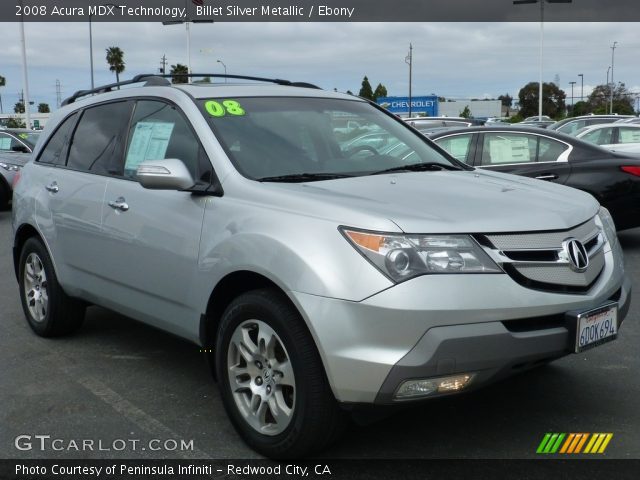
{"x":5,"y":195}
{"x":273,"y":383}
{"x":49,"y":311}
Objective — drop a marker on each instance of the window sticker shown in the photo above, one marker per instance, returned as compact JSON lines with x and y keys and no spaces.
{"x":24,"y":136}
{"x":220,"y":109}
{"x":509,"y":150}
{"x":148,"y":142}
{"x":458,"y":147}
{"x":5,"y":143}
{"x":629,"y":136}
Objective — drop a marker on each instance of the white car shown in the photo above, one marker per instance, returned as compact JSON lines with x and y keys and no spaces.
{"x":618,"y":137}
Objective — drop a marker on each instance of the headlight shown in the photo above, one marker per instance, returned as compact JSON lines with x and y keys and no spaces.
{"x":608,"y":226}
{"x":401,"y":257}
{"x":10,"y":167}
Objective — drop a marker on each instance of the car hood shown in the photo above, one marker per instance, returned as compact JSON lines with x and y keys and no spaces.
{"x":444,"y":202}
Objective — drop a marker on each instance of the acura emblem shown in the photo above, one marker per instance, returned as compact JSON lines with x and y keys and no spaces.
{"x":578,"y":257}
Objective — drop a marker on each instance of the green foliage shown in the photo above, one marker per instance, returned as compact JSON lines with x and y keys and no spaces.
{"x":366,"y":91}
{"x":18,"y":107}
{"x":381,"y":91}
{"x":466,"y":112}
{"x":599,"y":100}
{"x":13,"y":122}
{"x":179,"y":73}
{"x":115,"y":59}
{"x":3,"y":81}
{"x":515,"y":118}
{"x":43,"y":108}
{"x":580,"y":108}
{"x":506,"y":100}
{"x":553,"y":100}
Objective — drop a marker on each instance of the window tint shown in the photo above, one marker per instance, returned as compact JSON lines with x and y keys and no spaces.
{"x":503,"y":148}
{"x":55,"y":151}
{"x":159,"y":131}
{"x":97,"y":144}
{"x":549,"y":150}
{"x":571,"y":127}
{"x":456,"y":145}
{"x":629,"y":135}
{"x":6,"y":142}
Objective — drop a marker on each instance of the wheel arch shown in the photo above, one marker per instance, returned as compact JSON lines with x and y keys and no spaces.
{"x":226,"y":290}
{"x":24,"y":233}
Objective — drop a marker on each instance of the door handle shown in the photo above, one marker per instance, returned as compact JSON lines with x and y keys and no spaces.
{"x":120,"y":204}
{"x":552,"y":176}
{"x":53,"y":187}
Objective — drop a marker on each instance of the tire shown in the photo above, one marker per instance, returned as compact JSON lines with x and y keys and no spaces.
{"x":5,"y":195}
{"x":264,"y":349}
{"x":49,"y":311}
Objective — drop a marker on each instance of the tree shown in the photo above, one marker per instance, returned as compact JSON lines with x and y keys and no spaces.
{"x":179,"y":73}
{"x":580,"y":108}
{"x":18,"y":107}
{"x":506,"y":100}
{"x":381,"y":91}
{"x":466,"y":113}
{"x":601,"y":96}
{"x":43,"y":108}
{"x":13,"y":122}
{"x":366,"y":91}
{"x":553,"y":103}
{"x":115,"y":59}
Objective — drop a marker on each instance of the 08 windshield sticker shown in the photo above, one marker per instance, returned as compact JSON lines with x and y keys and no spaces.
{"x":221,"y":108}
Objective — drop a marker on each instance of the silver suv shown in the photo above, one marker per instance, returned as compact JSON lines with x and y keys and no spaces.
{"x":320,"y":276}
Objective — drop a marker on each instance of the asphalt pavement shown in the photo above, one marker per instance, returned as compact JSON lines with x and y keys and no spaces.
{"x":131,"y":389}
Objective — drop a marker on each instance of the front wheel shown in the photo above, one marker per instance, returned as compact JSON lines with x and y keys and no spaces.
{"x":273,"y":383}
{"x":49,"y":311}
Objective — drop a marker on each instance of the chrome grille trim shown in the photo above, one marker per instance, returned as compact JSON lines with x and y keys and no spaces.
{"x":549,"y":263}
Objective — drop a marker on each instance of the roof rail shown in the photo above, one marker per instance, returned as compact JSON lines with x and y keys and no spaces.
{"x":154,"y":79}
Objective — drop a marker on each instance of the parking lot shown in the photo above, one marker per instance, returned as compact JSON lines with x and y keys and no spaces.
{"x":118,"y":381}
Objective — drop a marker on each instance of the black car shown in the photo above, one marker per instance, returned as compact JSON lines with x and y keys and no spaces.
{"x":612,"y":178}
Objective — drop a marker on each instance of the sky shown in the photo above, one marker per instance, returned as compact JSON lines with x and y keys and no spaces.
{"x":452,"y":60}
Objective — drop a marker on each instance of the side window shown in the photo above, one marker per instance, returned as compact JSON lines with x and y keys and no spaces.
{"x":159,"y":131}
{"x":549,"y":150}
{"x":456,"y":145}
{"x":54,"y":152}
{"x":600,"y":136}
{"x":628,"y":135}
{"x":571,"y":127}
{"x":97,"y":144}
{"x":5,"y":142}
{"x":504,"y":148}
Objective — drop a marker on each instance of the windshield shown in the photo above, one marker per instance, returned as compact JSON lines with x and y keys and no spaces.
{"x":315,"y":138}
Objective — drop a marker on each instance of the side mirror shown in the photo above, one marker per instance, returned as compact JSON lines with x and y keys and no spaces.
{"x":167,"y":174}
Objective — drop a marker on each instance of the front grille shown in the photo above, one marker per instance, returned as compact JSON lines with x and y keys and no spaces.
{"x":538,"y":260}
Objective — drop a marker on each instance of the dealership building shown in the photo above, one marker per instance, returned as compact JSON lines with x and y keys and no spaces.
{"x":430,"y":106}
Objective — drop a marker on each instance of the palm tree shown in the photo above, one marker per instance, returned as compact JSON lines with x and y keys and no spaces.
{"x":178,"y":73}
{"x":115,"y":59}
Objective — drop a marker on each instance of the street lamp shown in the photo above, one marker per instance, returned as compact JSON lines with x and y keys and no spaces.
{"x":572,"y":84}
{"x":581,"y":86}
{"x":409,"y":61}
{"x":225,"y":69}
{"x":613,"y":85}
{"x":521,"y":2}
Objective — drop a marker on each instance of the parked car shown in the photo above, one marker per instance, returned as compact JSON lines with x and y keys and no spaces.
{"x":613,"y":179}
{"x":318,"y":280}
{"x":618,"y":137}
{"x":538,"y":118}
{"x":16,"y":146}
{"x":536,"y":123}
{"x":572,"y":124}
{"x":633,"y":120}
{"x":419,"y":122}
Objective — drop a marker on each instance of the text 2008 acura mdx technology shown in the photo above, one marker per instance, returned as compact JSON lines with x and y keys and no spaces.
{"x":322,"y":276}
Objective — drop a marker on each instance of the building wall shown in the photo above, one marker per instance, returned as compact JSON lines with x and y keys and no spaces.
{"x":41,"y":117}
{"x":479,"y":108}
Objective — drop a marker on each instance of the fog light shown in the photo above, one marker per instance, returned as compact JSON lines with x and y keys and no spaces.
{"x":429,"y":386}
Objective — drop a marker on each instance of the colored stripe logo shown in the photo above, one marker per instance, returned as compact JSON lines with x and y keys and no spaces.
{"x":571,"y":443}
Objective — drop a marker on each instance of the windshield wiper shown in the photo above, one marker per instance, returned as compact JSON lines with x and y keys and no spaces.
{"x":418,"y":167}
{"x":304,"y":177}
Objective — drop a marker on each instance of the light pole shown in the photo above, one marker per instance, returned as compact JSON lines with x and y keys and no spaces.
{"x":572,"y":84}
{"x":409,"y":61}
{"x":25,"y":76}
{"x":613,"y":85}
{"x":581,"y":86}
{"x":521,"y":2}
{"x":225,"y":69}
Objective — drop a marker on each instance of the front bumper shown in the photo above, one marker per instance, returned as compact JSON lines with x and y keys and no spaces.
{"x":440,"y":325}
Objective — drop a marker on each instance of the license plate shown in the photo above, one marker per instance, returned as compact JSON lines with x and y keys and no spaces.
{"x":596,"y":327}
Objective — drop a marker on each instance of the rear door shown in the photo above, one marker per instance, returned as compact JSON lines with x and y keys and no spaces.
{"x":524,"y":153}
